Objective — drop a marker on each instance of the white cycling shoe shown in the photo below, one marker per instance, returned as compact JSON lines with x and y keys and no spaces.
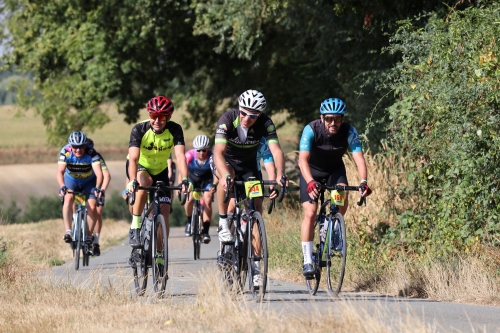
{"x":225,"y":235}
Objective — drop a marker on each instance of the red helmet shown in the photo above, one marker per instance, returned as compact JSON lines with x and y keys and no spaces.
{"x":160,"y":104}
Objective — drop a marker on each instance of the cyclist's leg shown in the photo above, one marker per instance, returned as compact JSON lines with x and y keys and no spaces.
{"x":307,"y":228}
{"x":224,"y":233}
{"x":165,"y":199}
{"x":207,"y":209}
{"x":338,"y":177}
{"x":88,"y":188}
{"x":188,"y":209}
{"x":67,"y":209}
{"x":144,"y":179}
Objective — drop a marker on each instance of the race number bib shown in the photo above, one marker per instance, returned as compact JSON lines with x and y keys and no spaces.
{"x":253,"y":189}
{"x":338,"y":197}
{"x":196,"y":195}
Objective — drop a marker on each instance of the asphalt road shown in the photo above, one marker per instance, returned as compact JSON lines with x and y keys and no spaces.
{"x":112,"y":270}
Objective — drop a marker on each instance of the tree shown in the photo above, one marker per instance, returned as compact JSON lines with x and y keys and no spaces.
{"x":83,"y":53}
{"x":446,"y":120}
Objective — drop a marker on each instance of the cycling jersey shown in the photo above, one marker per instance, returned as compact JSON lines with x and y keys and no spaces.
{"x":155,"y":147}
{"x":243,"y":151}
{"x":327,"y":151}
{"x":79,"y":168}
{"x":264,"y":153}
{"x":102,"y":161}
{"x":195,"y":169}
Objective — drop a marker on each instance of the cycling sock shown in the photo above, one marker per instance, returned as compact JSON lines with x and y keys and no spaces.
{"x":136,"y":222}
{"x":223,"y":220}
{"x":206,"y":226}
{"x":96,"y":238}
{"x":68,"y":231}
{"x":75,"y":215}
{"x":307,"y":252}
{"x":188,"y":219}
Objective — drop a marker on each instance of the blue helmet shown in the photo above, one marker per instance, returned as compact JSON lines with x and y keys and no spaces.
{"x":77,"y":139}
{"x":332,"y":106}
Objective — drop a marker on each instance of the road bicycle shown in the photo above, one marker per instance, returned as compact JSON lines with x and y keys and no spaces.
{"x":78,"y":230}
{"x":249,"y":246}
{"x":153,"y":253}
{"x":197,"y":220}
{"x":331,"y":251}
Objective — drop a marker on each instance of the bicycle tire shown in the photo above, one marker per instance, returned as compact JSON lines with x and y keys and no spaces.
{"x":241,"y":254}
{"x":78,"y":241}
{"x":160,"y":275}
{"x":336,"y":259}
{"x":195,"y":225}
{"x":260,"y":291}
{"x":141,"y":268}
{"x":313,"y":284}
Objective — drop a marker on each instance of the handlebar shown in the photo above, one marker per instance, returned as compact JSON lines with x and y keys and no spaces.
{"x":158,"y":187}
{"x":322,"y":187}
{"x":100,"y":200}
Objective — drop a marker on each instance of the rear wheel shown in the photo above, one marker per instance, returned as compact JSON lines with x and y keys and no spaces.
{"x":257,"y":258}
{"x":159,"y":251}
{"x":336,"y":253}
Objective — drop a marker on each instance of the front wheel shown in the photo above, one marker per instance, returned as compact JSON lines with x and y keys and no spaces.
{"x":257,"y":256}
{"x":196,"y":232}
{"x":77,"y":234}
{"x":159,"y":251}
{"x":336,"y":253}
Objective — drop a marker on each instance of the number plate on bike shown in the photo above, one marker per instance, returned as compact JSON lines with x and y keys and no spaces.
{"x":338,"y":197}
{"x":253,"y":189}
{"x":79,"y":199}
{"x":196,"y":195}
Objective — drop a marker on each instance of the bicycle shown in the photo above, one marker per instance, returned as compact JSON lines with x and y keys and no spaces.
{"x":153,"y":253}
{"x":78,"y":230}
{"x":197,"y":220}
{"x":332,"y":240}
{"x":235,"y":258}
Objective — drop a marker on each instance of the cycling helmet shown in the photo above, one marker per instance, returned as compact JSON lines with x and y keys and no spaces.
{"x":201,"y":142}
{"x":160,"y":104}
{"x":90,"y":142}
{"x":332,"y":106}
{"x":77,"y":139}
{"x":252,"y":100}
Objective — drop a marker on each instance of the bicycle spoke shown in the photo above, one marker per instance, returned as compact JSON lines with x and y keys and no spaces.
{"x":258,"y":258}
{"x":159,"y":251}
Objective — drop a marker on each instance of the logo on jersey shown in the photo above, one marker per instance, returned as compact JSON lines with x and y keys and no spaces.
{"x":166,"y":140}
{"x":219,"y":131}
{"x":271,"y":128}
{"x":223,"y":126}
{"x":62,"y":158}
{"x":165,"y":200}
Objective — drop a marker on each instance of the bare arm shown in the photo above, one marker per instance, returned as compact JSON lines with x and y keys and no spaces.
{"x":271,"y":170}
{"x":359,"y":158}
{"x":279,"y":159}
{"x":106,"y":179}
{"x":61,"y":168}
{"x":180,"y":157}
{"x":133,"y":160}
{"x":98,"y":174}
{"x":304,"y":165}
{"x":220,"y":163}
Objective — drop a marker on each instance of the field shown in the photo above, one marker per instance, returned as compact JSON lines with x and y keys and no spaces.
{"x":23,"y":139}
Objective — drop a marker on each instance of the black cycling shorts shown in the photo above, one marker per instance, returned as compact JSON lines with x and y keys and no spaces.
{"x":165,"y":196}
{"x":338,"y":176}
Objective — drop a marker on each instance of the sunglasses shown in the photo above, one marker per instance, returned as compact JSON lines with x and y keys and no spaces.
{"x":78,"y":147}
{"x":251,"y":116}
{"x":201,"y":150}
{"x":160,"y":117}
{"x":333,"y":119}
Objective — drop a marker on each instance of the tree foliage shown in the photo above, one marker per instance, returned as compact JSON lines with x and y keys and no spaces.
{"x":298,"y":53}
{"x":446,"y":120}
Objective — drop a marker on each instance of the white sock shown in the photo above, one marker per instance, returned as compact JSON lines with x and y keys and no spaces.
{"x":75,"y":216}
{"x":96,"y":238}
{"x":223,"y":222}
{"x":307,"y":252}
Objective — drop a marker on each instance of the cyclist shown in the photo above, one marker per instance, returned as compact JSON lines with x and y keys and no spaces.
{"x":79,"y":169}
{"x":105,"y":183}
{"x":323,"y":143}
{"x":151,"y":142}
{"x":200,"y":175}
{"x":237,"y":140}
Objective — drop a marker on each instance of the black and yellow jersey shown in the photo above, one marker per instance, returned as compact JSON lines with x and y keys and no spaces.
{"x":155,"y":148}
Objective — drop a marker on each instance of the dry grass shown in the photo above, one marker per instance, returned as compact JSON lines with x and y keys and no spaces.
{"x":41,"y":242}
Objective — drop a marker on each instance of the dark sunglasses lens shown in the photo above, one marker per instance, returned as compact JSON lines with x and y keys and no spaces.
{"x":201,"y":150}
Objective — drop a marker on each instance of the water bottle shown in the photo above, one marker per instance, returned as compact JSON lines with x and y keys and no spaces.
{"x":149,"y":223}
{"x":322,"y":229}
{"x":337,"y":242}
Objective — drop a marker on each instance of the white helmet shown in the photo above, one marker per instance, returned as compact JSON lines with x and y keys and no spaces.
{"x":77,"y":139}
{"x":252,"y":100}
{"x":201,"y":142}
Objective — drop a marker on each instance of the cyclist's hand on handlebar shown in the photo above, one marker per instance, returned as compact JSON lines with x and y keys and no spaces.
{"x":313,"y":189}
{"x":273,"y":192}
{"x":131,"y":186}
{"x":213,"y":187}
{"x":62,"y":191}
{"x":364,"y":189}
{"x":223,"y":181}
{"x":187,"y":186}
